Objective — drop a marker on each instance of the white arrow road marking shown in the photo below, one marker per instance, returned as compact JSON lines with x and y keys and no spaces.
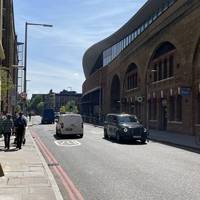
{"x":67,"y":143}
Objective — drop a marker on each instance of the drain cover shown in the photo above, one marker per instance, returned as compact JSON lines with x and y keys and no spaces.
{"x":53,"y":164}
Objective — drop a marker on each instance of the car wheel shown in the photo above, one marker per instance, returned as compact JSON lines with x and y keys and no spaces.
{"x":118,"y":137}
{"x":143,"y":141}
{"x":57,"y":133}
{"x":105,"y":134}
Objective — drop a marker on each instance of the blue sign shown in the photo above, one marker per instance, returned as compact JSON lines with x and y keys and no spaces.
{"x":185,"y":91}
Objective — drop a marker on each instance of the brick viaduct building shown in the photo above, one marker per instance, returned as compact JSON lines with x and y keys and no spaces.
{"x":150,"y":67}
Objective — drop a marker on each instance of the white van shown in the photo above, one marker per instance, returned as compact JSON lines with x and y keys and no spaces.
{"x":69,"y":124}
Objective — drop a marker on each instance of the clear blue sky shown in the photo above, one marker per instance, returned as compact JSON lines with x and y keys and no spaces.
{"x":55,"y":54}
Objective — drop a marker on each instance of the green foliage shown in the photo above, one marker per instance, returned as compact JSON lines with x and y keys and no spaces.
{"x":6,"y":83}
{"x":28,"y":104}
{"x":40,"y":107}
{"x":34,"y":102}
{"x":18,"y":109}
{"x":62,"y":109}
{"x":71,"y":107}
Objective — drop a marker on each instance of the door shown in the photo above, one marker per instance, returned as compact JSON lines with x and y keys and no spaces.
{"x":163,"y":113}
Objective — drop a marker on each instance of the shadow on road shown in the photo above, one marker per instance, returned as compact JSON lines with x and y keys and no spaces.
{"x":68,"y":137}
{"x":126,"y":142}
{"x":177,"y":146}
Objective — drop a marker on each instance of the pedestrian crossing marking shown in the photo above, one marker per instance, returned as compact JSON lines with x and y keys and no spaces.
{"x":67,"y":143}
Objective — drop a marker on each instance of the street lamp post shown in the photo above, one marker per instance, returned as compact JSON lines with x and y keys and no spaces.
{"x":25,"y":50}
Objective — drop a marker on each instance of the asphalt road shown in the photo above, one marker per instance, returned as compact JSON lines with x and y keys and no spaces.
{"x":105,"y":170}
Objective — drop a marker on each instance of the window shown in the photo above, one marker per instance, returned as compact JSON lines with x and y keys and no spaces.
{"x":155,"y":72}
{"x":154,"y":117}
{"x":136,"y":78}
{"x":149,"y":109}
{"x":155,"y":17}
{"x":126,"y":41}
{"x":172,"y":108}
{"x":146,"y":24}
{"x":150,"y":20}
{"x":179,"y":108}
{"x":165,"y":69}
{"x":138,"y":31}
{"x":129,"y":39}
{"x":160,"y":71}
{"x":133,"y":36}
{"x":171,"y":66}
{"x":142,"y":28}
{"x":132,"y":81}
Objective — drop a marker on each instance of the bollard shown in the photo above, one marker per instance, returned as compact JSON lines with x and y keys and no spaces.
{"x":1,"y":171}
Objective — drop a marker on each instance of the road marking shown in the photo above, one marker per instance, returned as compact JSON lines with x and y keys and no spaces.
{"x":73,"y":192}
{"x":67,"y":143}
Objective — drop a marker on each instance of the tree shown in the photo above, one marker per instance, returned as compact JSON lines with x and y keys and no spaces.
{"x":18,"y":109}
{"x":33,"y":104}
{"x":71,"y":107}
{"x":6,"y":83}
{"x":62,"y":109}
{"x":40,"y":107}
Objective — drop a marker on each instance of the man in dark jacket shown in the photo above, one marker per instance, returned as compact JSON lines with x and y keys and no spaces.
{"x":7,"y":130}
{"x":21,"y":124}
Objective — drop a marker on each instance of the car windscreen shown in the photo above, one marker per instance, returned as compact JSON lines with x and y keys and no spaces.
{"x":126,"y":119}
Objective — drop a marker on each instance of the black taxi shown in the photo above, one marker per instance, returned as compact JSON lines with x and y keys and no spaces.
{"x":124,"y":126}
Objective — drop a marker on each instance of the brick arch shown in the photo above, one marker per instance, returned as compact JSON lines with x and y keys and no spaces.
{"x":196,"y":55}
{"x":196,"y":82}
{"x":196,"y":61}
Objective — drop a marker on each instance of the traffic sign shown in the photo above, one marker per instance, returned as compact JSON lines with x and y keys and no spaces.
{"x":23,"y":95}
{"x":185,"y":91}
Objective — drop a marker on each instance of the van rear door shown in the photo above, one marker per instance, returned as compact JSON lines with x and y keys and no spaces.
{"x":73,"y":124}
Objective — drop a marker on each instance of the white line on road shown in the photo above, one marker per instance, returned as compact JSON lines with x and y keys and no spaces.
{"x":67,"y":143}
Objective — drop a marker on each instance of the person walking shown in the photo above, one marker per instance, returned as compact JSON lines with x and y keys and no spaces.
{"x":7,"y":130}
{"x":21,"y":124}
{"x":29,"y":116}
{"x":16,"y":115}
{"x":1,"y":124}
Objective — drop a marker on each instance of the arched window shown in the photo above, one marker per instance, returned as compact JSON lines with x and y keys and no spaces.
{"x":131,"y":78}
{"x":162,"y":62}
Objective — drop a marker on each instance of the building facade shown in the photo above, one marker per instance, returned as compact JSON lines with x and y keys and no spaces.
{"x":57,"y":100}
{"x":150,"y":67}
{"x":9,"y":73}
{"x":62,"y":98}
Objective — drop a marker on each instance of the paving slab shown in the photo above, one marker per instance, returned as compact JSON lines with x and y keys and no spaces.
{"x":26,"y":174}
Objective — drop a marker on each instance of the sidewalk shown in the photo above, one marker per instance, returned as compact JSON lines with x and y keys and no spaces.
{"x":26,"y":174}
{"x":187,"y":141}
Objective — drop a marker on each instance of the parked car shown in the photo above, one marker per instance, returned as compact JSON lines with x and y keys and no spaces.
{"x":48,"y":116}
{"x":69,"y":124}
{"x":124,"y":126}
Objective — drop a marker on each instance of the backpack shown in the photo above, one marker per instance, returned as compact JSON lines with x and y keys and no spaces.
{"x":21,"y":123}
